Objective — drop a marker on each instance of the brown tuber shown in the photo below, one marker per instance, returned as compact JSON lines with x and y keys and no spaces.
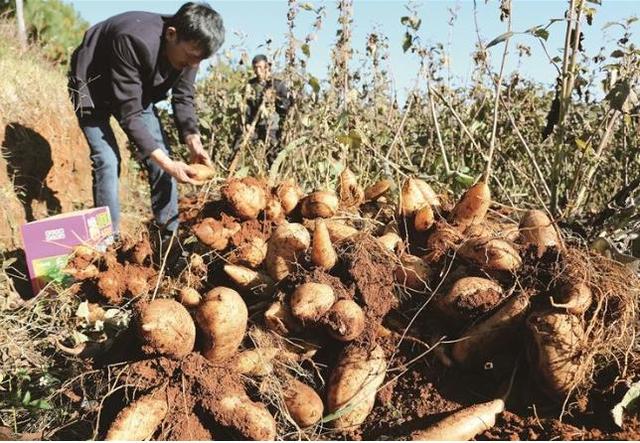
{"x":222,"y":318}
{"x":377,"y":190}
{"x":289,"y":195}
{"x":251,"y":252}
{"x":491,"y":254}
{"x":339,"y":231}
{"x":323,"y":255}
{"x":351,"y":193}
{"x":255,"y":362}
{"x":411,"y":198}
{"x":166,"y":328}
{"x":274,"y":211}
{"x":469,"y":298}
{"x":250,"y":280}
{"x":303,"y":403}
{"x":354,"y":382}
{"x":412,"y":273}
{"x":214,"y":233}
{"x":576,"y":298}
{"x":310,"y":301}
{"x":247,"y":197}
{"x":463,"y":425}
{"x":189,"y":297}
{"x":537,"y":229}
{"x":139,"y":420}
{"x":492,"y":334}
{"x":201,"y":173}
{"x":472,"y":207}
{"x":345,"y":320}
{"x":391,"y":241}
{"x":251,"y":419}
{"x":424,"y":218}
{"x":558,"y":341}
{"x":279,"y":319}
{"x":287,"y":242}
{"x":320,"y":204}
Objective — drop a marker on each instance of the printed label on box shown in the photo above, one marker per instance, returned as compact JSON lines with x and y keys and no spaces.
{"x":49,"y":242}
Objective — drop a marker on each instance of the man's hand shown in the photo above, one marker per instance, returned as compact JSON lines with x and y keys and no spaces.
{"x":270,"y":95}
{"x":178,"y":170}
{"x":197,"y":151}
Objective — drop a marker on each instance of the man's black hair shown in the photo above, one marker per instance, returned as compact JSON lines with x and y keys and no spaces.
{"x":259,"y":58}
{"x":200,"y":23}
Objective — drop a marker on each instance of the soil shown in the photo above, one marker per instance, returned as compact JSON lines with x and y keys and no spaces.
{"x":112,"y":284}
{"x":249,"y":230}
{"x":367,"y":265}
{"x":191,"y":386}
{"x":470,"y":304}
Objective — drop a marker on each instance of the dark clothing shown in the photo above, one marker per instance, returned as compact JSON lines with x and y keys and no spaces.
{"x":120,"y":68}
{"x":282,"y":103}
{"x":269,"y":125}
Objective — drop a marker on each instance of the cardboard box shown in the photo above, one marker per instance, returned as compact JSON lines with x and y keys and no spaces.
{"x":49,"y":242}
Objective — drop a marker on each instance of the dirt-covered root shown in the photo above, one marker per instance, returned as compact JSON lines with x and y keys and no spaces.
{"x":611,"y":321}
{"x":369,"y":265}
{"x":247,"y":197}
{"x":557,"y":351}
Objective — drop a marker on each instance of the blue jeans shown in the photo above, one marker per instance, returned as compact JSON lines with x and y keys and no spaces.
{"x":105,"y":159}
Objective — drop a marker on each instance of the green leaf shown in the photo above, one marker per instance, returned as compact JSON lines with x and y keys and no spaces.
{"x":26,"y":399}
{"x":352,"y":140}
{"x":501,"y":38}
{"x":628,"y":404}
{"x":619,"y":94}
{"x":307,"y":6}
{"x":305,"y":50}
{"x":41,"y":404}
{"x":408,"y":42}
{"x":609,"y":24}
{"x":464,"y":179}
{"x":343,"y":139}
{"x":541,"y":33}
{"x":412,"y":22}
{"x":314,"y":83}
{"x":617,"y":54}
{"x":581,"y":144}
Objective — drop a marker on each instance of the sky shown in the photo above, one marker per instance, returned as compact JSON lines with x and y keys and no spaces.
{"x":250,"y":23}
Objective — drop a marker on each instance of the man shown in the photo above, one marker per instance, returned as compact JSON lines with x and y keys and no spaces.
{"x":124,"y":66}
{"x":266,"y":94}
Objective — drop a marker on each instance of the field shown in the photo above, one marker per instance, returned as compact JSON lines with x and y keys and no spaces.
{"x":463,"y":266}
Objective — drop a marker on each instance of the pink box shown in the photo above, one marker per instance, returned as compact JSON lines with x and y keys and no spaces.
{"x":48,"y":242}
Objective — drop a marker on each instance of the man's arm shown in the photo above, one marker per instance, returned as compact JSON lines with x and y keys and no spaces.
{"x":183,"y":103}
{"x":184,"y":115}
{"x":126,"y":83}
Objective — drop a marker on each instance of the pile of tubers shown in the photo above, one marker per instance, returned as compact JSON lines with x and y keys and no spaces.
{"x":302,"y":235}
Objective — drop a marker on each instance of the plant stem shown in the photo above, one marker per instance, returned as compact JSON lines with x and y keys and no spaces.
{"x":443,"y":151}
{"x":582,"y":192}
{"x":492,"y":144}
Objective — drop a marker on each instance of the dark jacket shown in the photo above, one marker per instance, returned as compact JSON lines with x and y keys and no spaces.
{"x":282,"y":101}
{"x":120,"y":68}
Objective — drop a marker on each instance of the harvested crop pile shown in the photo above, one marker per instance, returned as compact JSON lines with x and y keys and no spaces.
{"x":313,"y":319}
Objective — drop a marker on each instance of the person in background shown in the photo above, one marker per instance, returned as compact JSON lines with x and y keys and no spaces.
{"x":265,"y":95}
{"x":123,"y":67}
